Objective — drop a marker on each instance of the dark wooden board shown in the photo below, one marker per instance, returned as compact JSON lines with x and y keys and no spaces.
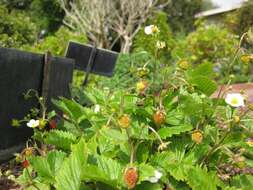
{"x":19,"y":72}
{"x":104,"y":60}
{"x":60,"y":76}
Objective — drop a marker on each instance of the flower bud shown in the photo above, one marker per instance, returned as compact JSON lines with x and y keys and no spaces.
{"x":15,"y":123}
{"x":250,"y":107}
{"x":18,"y":157}
{"x":142,"y":72}
{"x":183,"y":64}
{"x":160,"y":45}
{"x":141,"y":86}
{"x":28,"y":151}
{"x":239,"y":161}
{"x":246,"y":58}
{"x":163,"y":146}
{"x":236,"y":119}
{"x":191,"y":89}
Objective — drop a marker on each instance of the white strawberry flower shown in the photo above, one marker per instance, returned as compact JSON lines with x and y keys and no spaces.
{"x":151,"y":29}
{"x":97,"y":108}
{"x":148,"y":29}
{"x":156,"y":177}
{"x":33,"y":123}
{"x":235,"y":100}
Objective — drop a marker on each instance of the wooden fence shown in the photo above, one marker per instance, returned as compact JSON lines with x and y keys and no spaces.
{"x":19,"y":72}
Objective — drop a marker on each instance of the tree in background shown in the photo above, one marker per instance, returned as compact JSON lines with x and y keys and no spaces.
{"x":181,"y":14}
{"x":241,"y":20}
{"x":207,"y":5}
{"x":56,"y":43}
{"x":16,"y":29}
{"x":16,"y":4}
{"x":107,"y":22}
{"x":245,"y":17}
{"x":46,"y":14}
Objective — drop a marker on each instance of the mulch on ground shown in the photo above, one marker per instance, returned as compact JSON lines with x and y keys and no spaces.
{"x":5,"y":182}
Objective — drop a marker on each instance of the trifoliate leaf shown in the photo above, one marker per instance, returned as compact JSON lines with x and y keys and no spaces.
{"x":167,"y":132}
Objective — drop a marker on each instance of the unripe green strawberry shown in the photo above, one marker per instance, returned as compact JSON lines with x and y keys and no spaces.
{"x":183,"y":64}
{"x":236,"y":119}
{"x":197,"y":137}
{"x":124,"y":121}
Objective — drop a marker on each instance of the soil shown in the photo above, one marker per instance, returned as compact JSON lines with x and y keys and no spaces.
{"x":8,"y":184}
{"x":247,"y":88}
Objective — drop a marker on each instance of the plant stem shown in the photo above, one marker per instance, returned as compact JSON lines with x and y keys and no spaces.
{"x":132,"y":153}
{"x":155,"y":68}
{"x":132,"y":148}
{"x":213,"y":149}
{"x":158,"y":136}
{"x":31,"y":180}
{"x":236,"y":52}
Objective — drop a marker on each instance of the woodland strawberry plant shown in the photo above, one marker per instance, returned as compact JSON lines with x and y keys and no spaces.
{"x":163,"y":133}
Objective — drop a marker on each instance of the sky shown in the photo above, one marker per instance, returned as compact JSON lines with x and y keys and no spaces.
{"x":226,"y":3}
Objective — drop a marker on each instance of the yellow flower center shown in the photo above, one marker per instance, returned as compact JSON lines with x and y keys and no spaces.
{"x":155,"y":29}
{"x":234,"y":101}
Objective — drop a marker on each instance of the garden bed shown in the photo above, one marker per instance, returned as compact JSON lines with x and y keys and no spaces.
{"x":9,"y":170}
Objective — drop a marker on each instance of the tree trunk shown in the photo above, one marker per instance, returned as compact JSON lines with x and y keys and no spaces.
{"x":126,"y":44}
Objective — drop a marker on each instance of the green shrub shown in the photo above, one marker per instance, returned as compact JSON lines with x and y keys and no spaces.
{"x":217,"y":45}
{"x":208,"y":43}
{"x":16,"y":4}
{"x":16,"y":29}
{"x":56,"y":43}
{"x":126,"y":70}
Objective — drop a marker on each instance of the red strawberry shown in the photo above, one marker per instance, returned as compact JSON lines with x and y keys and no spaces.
{"x":159,"y":117}
{"x":131,"y":177}
{"x":25,"y":164}
{"x":52,"y":124}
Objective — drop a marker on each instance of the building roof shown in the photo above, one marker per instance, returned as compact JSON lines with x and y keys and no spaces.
{"x":222,"y":8}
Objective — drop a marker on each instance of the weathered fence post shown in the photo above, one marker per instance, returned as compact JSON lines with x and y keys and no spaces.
{"x":91,"y":59}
